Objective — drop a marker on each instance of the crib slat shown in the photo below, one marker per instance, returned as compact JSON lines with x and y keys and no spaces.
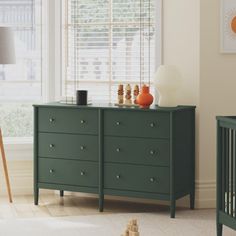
{"x":227,"y":169}
{"x":232,"y":173}
{"x":223,"y":169}
{"x":226,"y":173}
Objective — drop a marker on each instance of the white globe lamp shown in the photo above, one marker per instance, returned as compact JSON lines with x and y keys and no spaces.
{"x":167,"y":81}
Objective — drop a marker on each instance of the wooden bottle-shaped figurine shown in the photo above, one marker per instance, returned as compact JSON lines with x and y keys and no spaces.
{"x":120,"y":94}
{"x":136,"y":93}
{"x":128,"y":95}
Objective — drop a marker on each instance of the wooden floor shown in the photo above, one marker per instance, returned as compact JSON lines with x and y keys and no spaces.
{"x":189,"y":222}
{"x":52,"y":205}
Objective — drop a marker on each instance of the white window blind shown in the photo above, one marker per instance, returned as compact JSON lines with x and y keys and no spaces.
{"x":107,"y":42}
{"x":21,"y":83}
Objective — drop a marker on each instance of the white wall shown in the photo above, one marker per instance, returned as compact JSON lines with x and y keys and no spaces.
{"x":181,"y":47}
{"x":181,"y":44}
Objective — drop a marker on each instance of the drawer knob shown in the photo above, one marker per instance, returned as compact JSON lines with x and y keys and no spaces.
{"x":118,"y":176}
{"x":51,"y":171}
{"x":82,"y":121}
{"x":82,"y":147}
{"x":51,"y":146}
{"x":51,"y":120}
{"x":152,"y":152}
{"x":152,"y":180}
{"x":118,"y":123}
{"x":82,"y":173}
{"x":118,"y":149}
{"x":152,"y":125}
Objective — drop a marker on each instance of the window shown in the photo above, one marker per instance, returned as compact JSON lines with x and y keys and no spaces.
{"x":108,"y":42}
{"x":21,"y":84}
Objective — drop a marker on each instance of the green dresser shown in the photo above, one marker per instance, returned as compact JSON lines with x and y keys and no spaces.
{"x":115,"y":151}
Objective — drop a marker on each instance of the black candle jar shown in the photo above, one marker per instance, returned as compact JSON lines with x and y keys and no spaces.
{"x":81,"y":97}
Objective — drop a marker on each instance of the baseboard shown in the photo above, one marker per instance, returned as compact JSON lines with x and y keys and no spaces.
{"x":206,"y":194}
{"x":21,"y":178}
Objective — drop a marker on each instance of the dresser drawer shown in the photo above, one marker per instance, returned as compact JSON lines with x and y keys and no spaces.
{"x":137,"y":151}
{"x":79,"y":121}
{"x":68,"y":146}
{"x":67,"y":172}
{"x":137,"y":124}
{"x":137,"y":178}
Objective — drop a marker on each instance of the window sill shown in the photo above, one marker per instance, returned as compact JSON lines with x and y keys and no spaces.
{"x":18,"y":141}
{"x":19,"y":149}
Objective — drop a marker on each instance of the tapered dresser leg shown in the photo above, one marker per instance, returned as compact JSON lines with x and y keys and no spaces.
{"x":172,"y":208}
{"x":192,"y":200}
{"x":61,"y":193}
{"x":36,"y":196}
{"x":101,"y":203}
{"x":219,"y":228}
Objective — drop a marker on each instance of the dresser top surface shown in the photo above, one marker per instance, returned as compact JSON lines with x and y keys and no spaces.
{"x":112,"y":106}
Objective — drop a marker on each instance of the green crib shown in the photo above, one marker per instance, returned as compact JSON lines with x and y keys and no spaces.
{"x":226,"y":173}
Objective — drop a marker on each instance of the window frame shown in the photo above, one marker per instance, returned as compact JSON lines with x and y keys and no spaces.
{"x":51,"y":76}
{"x":158,"y":43}
{"x":46,"y":86}
{"x":43,"y":63}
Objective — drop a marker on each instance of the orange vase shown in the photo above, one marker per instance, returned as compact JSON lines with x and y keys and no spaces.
{"x":145,"y":99}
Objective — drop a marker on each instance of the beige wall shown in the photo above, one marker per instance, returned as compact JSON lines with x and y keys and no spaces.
{"x":191,"y":41}
{"x":217,"y":86}
{"x":181,"y":47}
{"x":181,"y":44}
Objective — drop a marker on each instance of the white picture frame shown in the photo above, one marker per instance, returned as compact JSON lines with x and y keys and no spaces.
{"x":228,"y":26}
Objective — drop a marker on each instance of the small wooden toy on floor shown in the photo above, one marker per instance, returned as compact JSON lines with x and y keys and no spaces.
{"x":128,"y":95}
{"x":120,"y":94}
{"x":132,"y":229}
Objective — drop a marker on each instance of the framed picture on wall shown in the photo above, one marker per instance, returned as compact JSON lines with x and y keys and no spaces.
{"x":228,"y":26}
